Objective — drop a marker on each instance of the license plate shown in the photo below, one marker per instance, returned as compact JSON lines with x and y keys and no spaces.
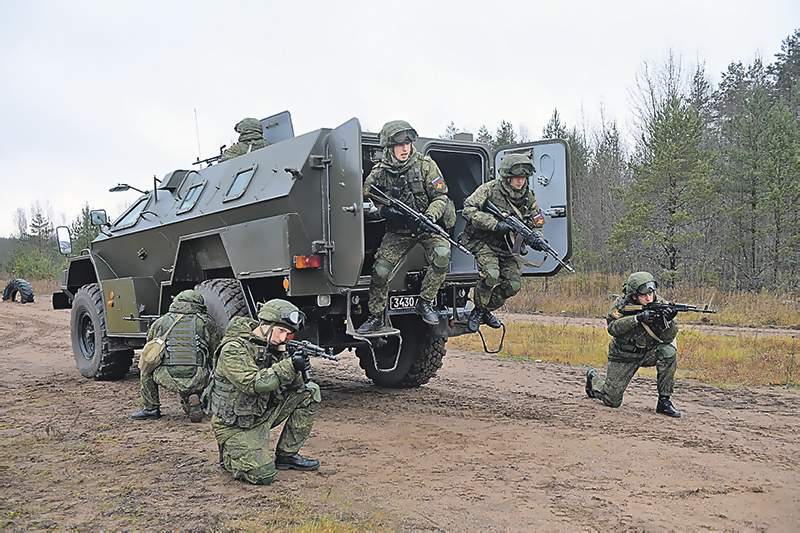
{"x":403,"y":302}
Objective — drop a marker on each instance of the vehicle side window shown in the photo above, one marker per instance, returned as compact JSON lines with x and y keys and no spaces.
{"x":192,"y":195}
{"x":132,"y":216}
{"x":239,"y":185}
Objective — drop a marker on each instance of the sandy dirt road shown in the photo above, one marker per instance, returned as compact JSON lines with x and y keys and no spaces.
{"x":487,"y":444}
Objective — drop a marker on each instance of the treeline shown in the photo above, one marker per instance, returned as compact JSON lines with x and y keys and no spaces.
{"x":709,"y":193}
{"x":36,"y":254}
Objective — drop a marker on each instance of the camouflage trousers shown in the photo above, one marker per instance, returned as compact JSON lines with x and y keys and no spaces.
{"x":391,"y":252}
{"x":245,"y":452}
{"x":183,"y":379}
{"x":501,"y":278}
{"x":623,"y":366}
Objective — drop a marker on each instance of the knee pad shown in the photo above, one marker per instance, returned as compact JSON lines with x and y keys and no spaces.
{"x":441,"y":257}
{"x":667,"y":351}
{"x":380,"y":274}
{"x":512,"y":288}
{"x":492,"y":278}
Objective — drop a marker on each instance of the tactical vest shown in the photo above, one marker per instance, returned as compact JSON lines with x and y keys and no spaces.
{"x":234,"y":407}
{"x":495,"y":241}
{"x":185,"y":346}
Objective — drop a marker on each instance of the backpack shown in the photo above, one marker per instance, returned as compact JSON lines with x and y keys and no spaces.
{"x":153,"y":351}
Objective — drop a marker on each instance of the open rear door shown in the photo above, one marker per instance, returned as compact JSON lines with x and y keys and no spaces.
{"x":345,"y":214}
{"x":550,"y":184}
{"x":278,"y":127}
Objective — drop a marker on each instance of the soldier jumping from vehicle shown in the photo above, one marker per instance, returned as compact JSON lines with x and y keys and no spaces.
{"x":486,"y":237}
{"x":638,"y":340}
{"x":416,"y":180}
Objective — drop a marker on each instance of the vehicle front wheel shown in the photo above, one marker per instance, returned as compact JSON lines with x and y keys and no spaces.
{"x":90,"y":344}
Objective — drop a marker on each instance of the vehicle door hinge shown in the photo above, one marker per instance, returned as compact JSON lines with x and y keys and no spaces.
{"x":322,"y":247}
{"x":318,"y":162}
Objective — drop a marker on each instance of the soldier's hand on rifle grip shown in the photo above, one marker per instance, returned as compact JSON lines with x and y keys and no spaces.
{"x":538,"y":244}
{"x":301,"y":362}
{"x":502,"y":227}
{"x":648,"y":316}
{"x":394,"y":218}
{"x":670,"y":313}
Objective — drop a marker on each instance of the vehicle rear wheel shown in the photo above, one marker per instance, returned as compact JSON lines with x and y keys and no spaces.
{"x":21,"y":287}
{"x":420,"y":356}
{"x":224,"y":300}
{"x":90,"y":343}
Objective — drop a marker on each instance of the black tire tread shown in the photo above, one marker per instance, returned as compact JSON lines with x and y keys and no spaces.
{"x":114,"y":365}
{"x":21,"y":287}
{"x":229,"y":293}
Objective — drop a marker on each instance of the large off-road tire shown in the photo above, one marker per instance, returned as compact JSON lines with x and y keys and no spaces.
{"x":224,"y":300}
{"x":420,"y":357}
{"x":21,"y":287}
{"x":90,"y":343}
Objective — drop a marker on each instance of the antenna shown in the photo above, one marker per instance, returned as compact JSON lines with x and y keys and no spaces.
{"x":197,"y":128}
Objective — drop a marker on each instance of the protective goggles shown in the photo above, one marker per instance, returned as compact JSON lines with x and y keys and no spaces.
{"x":296,"y":318}
{"x":521,"y":169}
{"x":404,"y":136}
{"x":647,"y":288}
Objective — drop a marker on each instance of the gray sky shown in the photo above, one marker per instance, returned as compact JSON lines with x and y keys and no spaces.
{"x":94,"y":93}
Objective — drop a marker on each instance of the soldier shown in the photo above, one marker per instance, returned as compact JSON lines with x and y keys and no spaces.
{"x":637,"y":341}
{"x":256,"y":387}
{"x":415,"y":180}
{"x":187,"y":360}
{"x":251,"y":137}
{"x":488,"y":238}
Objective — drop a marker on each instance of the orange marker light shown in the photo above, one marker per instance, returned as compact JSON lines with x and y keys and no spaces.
{"x":307,"y":261}
{"x":286,"y":283}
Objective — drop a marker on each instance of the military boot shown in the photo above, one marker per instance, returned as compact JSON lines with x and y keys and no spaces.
{"x":425,"y":309}
{"x":147,"y":414}
{"x":475,"y":320}
{"x":295,"y":462}
{"x":373,"y":324}
{"x":665,"y":407}
{"x":589,"y":389}
{"x":490,"y":320}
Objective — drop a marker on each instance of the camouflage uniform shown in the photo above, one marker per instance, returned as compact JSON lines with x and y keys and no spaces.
{"x":251,"y":138}
{"x":256,"y":388}
{"x":632,"y":347}
{"x":500,"y":272}
{"x":190,"y":345}
{"x":418,"y":183}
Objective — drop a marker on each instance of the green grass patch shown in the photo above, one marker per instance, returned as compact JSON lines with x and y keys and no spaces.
{"x":718,"y":360}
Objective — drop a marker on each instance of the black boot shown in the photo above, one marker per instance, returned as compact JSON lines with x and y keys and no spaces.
{"x":373,"y":323}
{"x":425,"y":309}
{"x":147,"y":414}
{"x":295,"y":462}
{"x":589,"y":389}
{"x":195,"y":410}
{"x":221,"y":459}
{"x":475,"y":320}
{"x":665,"y":407}
{"x":490,"y":320}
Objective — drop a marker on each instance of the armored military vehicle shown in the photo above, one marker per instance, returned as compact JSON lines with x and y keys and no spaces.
{"x":287,"y":221}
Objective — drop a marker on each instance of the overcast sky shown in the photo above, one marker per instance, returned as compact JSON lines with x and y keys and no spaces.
{"x":98,"y":93}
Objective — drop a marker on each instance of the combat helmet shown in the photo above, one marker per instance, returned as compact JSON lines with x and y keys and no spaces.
{"x":396,"y":132}
{"x":282,"y":313}
{"x":516,"y":165}
{"x":249,"y":125}
{"x":640,"y":283}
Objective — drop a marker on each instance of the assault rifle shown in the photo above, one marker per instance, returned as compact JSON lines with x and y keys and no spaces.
{"x":213,"y":159}
{"x":308,"y":349}
{"x":662,"y":307}
{"x":524,"y":232}
{"x":424,"y":223}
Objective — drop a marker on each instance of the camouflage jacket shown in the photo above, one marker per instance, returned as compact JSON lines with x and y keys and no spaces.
{"x":630,"y":339}
{"x":480,"y":224}
{"x":248,"y":142}
{"x":249,"y":376}
{"x":193,"y":341}
{"x":417,"y":182}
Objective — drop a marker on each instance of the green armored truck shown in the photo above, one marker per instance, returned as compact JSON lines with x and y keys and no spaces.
{"x":288,"y":221}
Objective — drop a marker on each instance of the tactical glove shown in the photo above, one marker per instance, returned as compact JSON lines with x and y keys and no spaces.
{"x":301,"y":362}
{"x":502,"y":227}
{"x":537,"y":243}
{"x":670,"y":313}
{"x":395,"y":220}
{"x":648,"y":316}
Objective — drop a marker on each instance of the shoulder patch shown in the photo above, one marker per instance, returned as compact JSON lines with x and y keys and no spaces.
{"x":538,"y":220}
{"x":438,"y":182}
{"x":616,"y":313}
